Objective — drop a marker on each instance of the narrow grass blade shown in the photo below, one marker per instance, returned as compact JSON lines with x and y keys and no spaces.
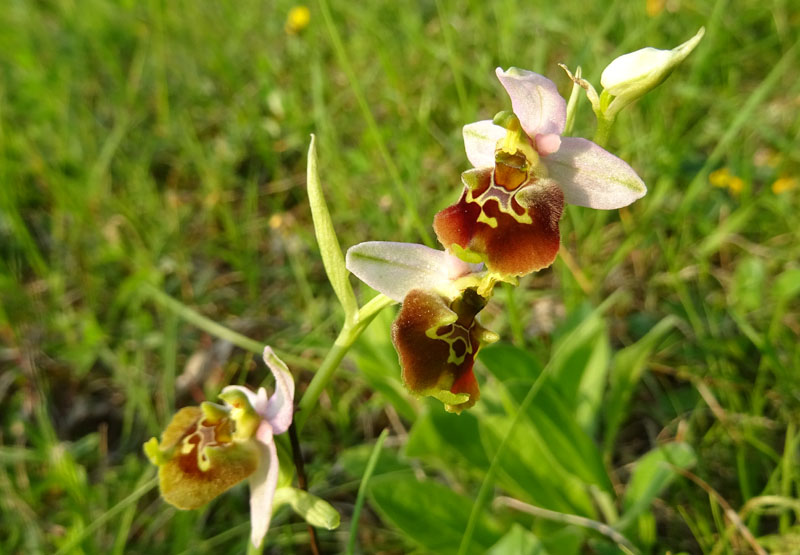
{"x":206,"y":324}
{"x":362,"y":490}
{"x":108,"y":515}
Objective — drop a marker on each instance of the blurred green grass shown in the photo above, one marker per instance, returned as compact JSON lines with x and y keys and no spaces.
{"x":164,"y":143}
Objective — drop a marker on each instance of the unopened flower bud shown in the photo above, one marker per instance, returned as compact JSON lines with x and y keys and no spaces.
{"x":632,"y":75}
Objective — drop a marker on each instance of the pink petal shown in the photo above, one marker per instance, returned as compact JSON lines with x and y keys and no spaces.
{"x":480,"y":142}
{"x":262,"y":485}
{"x":548,"y":144}
{"x":591,"y":176}
{"x":535,"y":101}
{"x":280,"y":407}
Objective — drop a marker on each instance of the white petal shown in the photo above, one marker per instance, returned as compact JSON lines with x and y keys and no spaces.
{"x":394,"y":269}
{"x":262,"y":485}
{"x":480,"y":142}
{"x":535,"y":101}
{"x":280,"y":408}
{"x":591,"y":176}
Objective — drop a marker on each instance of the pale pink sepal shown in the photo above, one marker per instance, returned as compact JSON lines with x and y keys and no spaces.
{"x":262,"y":484}
{"x":591,"y":176}
{"x":394,"y":269}
{"x":480,"y":142}
{"x":535,"y":101}
{"x":279,"y":409}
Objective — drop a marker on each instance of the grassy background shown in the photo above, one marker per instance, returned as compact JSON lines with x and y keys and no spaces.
{"x":163,"y":143}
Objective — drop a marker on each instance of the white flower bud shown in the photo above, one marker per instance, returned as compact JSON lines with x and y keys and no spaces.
{"x":632,"y":75}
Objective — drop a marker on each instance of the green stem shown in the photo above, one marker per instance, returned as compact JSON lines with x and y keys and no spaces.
{"x":253,"y":550}
{"x":324,"y":374}
{"x":605,"y":119}
{"x":331,"y":362}
{"x":603,"y":131}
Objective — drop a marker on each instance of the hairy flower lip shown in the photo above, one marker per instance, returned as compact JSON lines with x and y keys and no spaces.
{"x":516,"y":231}
{"x":437,"y":340}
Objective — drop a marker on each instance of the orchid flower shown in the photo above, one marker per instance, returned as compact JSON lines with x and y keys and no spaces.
{"x":524,"y":171}
{"x":206,"y":450}
{"x":436,"y":333}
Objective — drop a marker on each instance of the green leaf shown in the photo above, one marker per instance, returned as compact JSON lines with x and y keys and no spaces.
{"x":787,"y":285}
{"x":580,"y":366}
{"x":579,"y":369}
{"x":626,"y":370}
{"x":317,"y":512}
{"x":430,"y":514}
{"x":446,"y":438}
{"x":747,"y":293}
{"x":505,"y":362}
{"x":652,"y":474}
{"x":329,"y":248}
{"x":531,"y":471}
{"x":550,"y":417}
{"x":573,"y":351}
{"x":519,"y":541}
{"x":354,"y":461}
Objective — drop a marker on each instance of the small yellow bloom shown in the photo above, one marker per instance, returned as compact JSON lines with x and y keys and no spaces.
{"x":297,"y":19}
{"x":735,"y":185}
{"x":720,"y":177}
{"x":783,"y":184}
{"x":655,"y":7}
{"x":723,"y":178}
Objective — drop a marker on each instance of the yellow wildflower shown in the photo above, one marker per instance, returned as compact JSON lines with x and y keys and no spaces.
{"x":655,"y":7}
{"x":783,"y":184}
{"x":297,"y":19}
{"x":723,"y":178}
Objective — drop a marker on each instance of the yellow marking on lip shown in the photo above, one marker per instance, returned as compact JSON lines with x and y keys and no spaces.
{"x":457,"y":333}
{"x":503,"y":199}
